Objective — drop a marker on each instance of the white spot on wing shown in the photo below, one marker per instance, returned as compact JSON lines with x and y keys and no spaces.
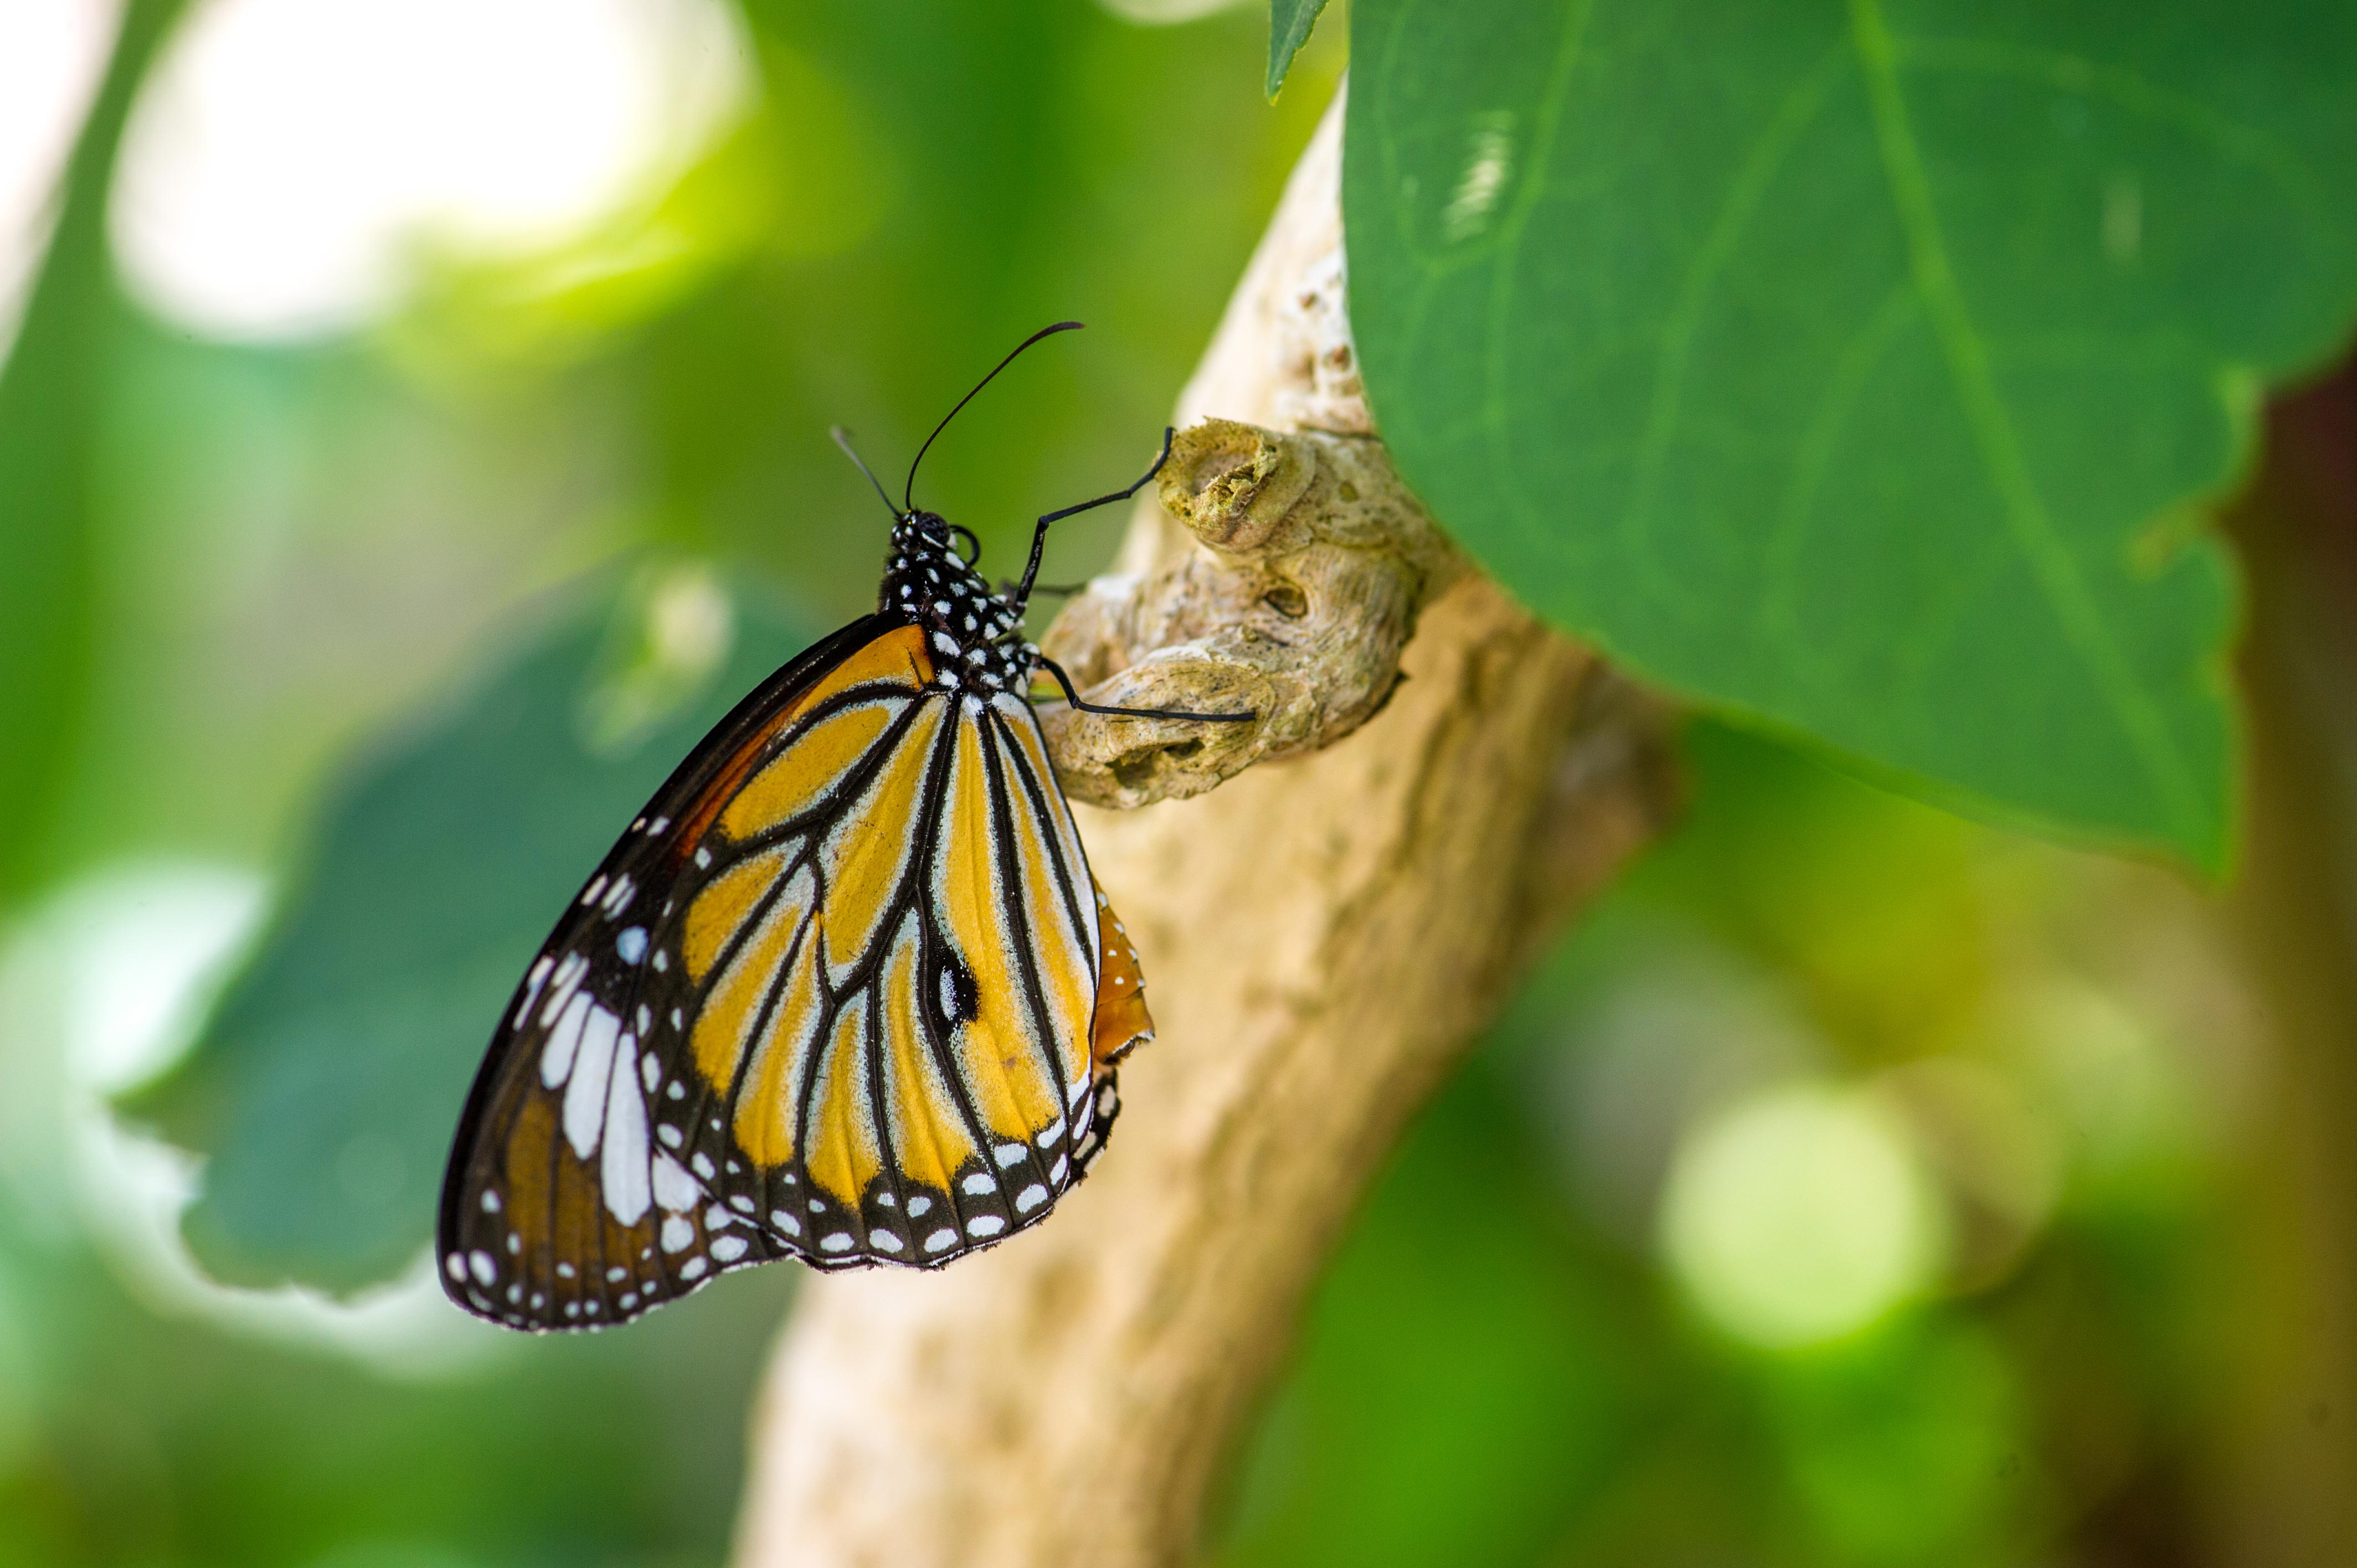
{"x":532,"y":984}
{"x":623,"y":1170}
{"x":556,"y":1057}
{"x":584,"y":1096}
{"x":678,"y":1230}
{"x":673,"y":1188}
{"x":985,"y":1225}
{"x":1031,"y":1197}
{"x":940,"y":1239}
{"x":618,"y":897}
{"x":560,"y":990}
{"x":728,"y":1249}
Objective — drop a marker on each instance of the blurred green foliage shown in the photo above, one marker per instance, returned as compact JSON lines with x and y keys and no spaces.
{"x":1499,"y":1369}
{"x":1289,"y":23}
{"x":48,"y":395}
{"x":1859,"y":368}
{"x":299,"y":561}
{"x":394,"y":621}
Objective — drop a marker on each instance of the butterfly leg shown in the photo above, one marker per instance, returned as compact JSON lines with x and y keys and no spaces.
{"x":1022,"y":595}
{"x":1073,"y":697}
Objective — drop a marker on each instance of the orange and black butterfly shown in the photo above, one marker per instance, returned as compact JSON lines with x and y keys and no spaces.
{"x":845,"y":990}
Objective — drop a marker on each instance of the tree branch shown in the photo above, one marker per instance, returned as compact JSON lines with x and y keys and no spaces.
{"x":1321,"y":941}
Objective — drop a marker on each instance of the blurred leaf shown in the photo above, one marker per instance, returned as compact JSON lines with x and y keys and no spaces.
{"x":1859,"y":370}
{"x":49,"y":386}
{"x":325,"y":1089}
{"x":1289,"y":23}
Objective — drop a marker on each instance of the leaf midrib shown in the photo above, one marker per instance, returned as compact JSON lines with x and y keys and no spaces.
{"x":2056,"y":573}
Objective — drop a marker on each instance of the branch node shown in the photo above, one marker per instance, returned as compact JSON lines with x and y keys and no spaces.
{"x":1307,"y":563}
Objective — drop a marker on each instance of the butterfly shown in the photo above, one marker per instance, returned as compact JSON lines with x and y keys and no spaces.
{"x":845,"y":990}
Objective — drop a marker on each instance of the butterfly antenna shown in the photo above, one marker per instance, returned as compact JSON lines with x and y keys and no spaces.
{"x":842,"y":439}
{"x":910,"y":489}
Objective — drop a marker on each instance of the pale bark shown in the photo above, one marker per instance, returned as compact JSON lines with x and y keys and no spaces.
{"x":1322,"y":937}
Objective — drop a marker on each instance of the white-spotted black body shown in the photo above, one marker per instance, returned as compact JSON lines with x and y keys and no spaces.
{"x":974,"y":631}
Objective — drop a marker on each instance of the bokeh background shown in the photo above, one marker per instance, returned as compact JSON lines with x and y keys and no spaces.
{"x":1856,"y":1187}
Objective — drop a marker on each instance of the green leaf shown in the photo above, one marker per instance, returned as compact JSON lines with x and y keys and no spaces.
{"x":326,"y":1087}
{"x":1861,"y":370}
{"x":1289,"y":22}
{"x":49,"y":419}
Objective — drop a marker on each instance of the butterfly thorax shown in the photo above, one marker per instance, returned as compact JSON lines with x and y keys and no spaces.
{"x":972,"y":629}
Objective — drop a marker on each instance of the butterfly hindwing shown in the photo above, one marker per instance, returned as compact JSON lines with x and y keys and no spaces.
{"x":900,"y":974}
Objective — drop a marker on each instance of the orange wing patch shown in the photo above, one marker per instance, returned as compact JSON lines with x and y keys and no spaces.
{"x":997,"y":1042}
{"x":1122,"y":1023}
{"x":896,"y":659}
{"x":866,"y":852}
{"x":928,"y":1135}
{"x":899,"y":658}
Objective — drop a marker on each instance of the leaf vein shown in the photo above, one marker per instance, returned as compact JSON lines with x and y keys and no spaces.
{"x":2024,"y":509}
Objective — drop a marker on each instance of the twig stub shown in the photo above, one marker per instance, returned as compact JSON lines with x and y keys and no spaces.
{"x":1308,"y":564}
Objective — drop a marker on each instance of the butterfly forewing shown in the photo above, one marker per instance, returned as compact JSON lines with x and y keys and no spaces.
{"x":846,"y":992}
{"x":557,"y":1211}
